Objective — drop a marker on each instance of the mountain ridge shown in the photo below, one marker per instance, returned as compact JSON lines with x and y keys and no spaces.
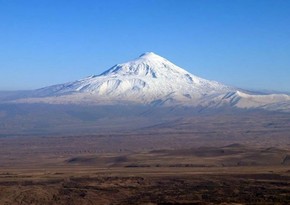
{"x":153,"y":80}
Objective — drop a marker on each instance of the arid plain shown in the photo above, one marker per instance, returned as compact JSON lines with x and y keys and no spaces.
{"x":205,"y":159}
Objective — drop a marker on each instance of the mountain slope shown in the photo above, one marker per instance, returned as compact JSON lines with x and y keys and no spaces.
{"x":244,"y":100}
{"x":151,"y":79}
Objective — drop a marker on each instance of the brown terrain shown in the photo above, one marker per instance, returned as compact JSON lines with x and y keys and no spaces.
{"x":195,"y":160}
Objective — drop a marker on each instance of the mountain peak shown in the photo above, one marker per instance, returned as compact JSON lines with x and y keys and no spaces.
{"x":154,"y":80}
{"x":146,"y":79}
{"x":148,"y":54}
{"x":148,"y":64}
{"x":151,"y":56}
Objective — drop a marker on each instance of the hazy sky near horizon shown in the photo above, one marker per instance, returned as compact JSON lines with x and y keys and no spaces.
{"x":244,"y":43}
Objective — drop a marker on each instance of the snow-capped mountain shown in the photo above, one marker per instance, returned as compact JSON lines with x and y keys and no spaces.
{"x":151,"y":79}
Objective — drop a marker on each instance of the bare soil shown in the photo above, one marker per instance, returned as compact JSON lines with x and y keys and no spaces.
{"x":215,"y":159}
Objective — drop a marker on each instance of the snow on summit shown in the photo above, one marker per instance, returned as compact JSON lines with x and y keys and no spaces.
{"x":145,"y":79}
{"x":151,"y":79}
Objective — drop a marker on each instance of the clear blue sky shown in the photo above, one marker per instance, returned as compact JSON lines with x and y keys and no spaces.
{"x":245,"y":43}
